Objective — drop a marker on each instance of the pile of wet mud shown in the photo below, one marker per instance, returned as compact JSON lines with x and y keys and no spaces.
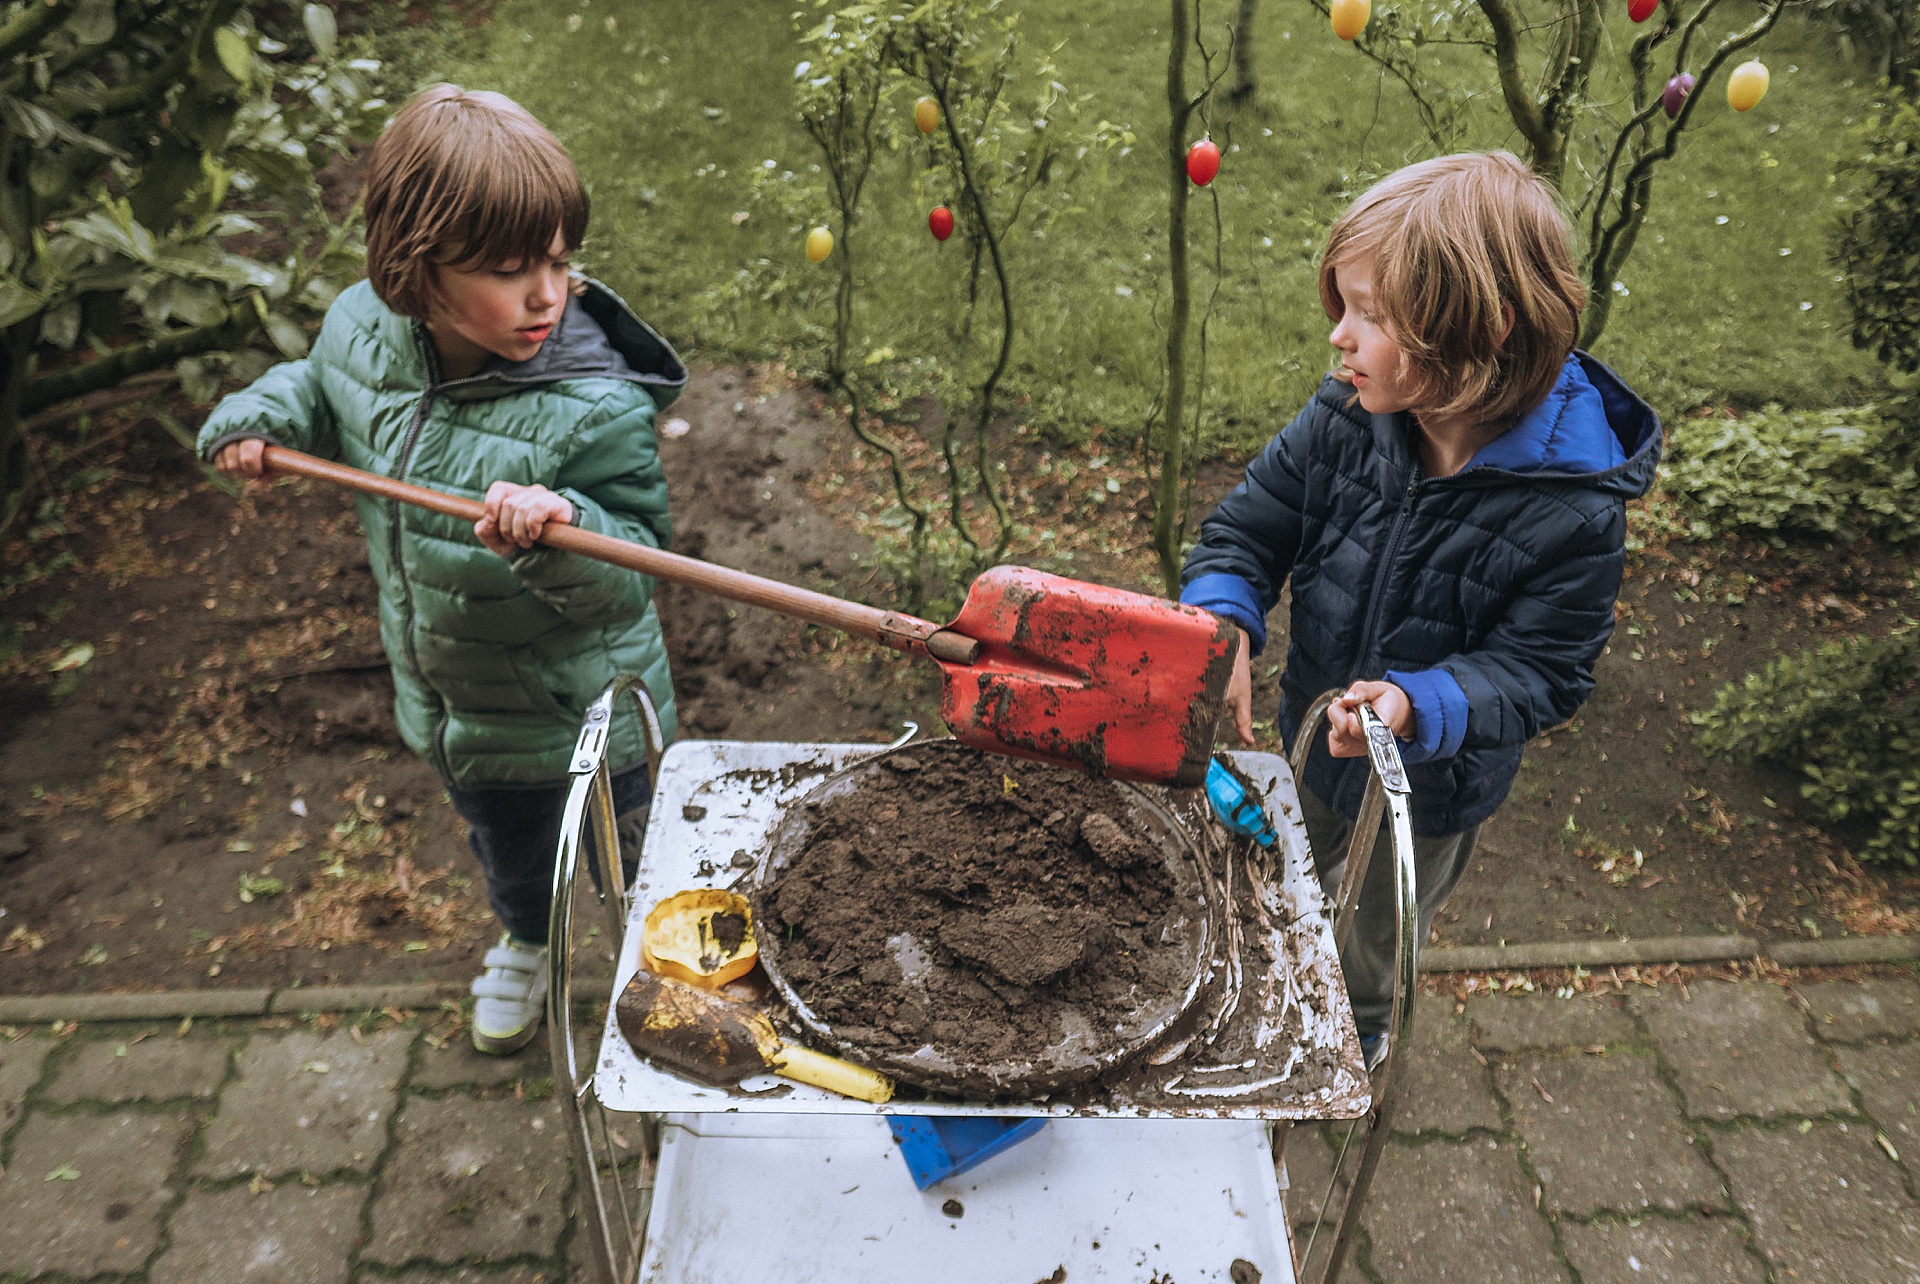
{"x":985,"y":907}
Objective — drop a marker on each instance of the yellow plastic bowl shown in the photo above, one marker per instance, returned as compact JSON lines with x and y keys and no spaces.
{"x":679,"y":938}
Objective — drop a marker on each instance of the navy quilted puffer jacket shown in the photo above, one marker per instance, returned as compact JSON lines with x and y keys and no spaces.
{"x":1486,"y":596}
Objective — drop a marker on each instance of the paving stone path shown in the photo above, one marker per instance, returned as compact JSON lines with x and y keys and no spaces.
{"x":1726,"y":1132}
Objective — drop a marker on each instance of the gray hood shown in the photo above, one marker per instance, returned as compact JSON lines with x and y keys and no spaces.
{"x":597,"y":336}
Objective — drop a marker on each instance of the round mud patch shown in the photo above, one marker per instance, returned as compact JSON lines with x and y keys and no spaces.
{"x":982,"y":924}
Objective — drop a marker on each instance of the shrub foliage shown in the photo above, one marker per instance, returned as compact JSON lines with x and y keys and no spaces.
{"x":1848,"y":714}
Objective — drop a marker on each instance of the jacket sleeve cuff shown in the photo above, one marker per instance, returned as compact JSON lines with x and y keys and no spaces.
{"x":213,"y":448}
{"x":1232,"y":598}
{"x":1439,"y":714}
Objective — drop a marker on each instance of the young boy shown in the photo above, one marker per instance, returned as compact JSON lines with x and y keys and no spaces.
{"x":470,"y":361}
{"x":1451,"y":509}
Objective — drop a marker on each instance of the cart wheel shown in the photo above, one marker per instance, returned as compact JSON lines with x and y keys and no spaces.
{"x":1334,"y":1193}
{"x":613,"y":1152}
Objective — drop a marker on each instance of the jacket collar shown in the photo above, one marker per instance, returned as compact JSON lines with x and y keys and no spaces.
{"x":1591,"y":430}
{"x":598,"y":336}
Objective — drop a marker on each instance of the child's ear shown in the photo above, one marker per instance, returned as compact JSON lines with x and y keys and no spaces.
{"x":1506,"y":325}
{"x":576,"y":285}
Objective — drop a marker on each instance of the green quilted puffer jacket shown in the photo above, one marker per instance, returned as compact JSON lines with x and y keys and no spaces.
{"x":494,"y":659}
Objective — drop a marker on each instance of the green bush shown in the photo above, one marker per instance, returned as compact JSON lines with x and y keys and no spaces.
{"x":1841,"y":473}
{"x":1848,"y":714}
{"x":1877,"y":248}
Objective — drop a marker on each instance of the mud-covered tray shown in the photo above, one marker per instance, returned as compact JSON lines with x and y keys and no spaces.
{"x":1273,"y":1036}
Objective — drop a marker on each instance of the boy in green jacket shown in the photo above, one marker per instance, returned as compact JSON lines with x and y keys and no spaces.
{"x":471,"y":361}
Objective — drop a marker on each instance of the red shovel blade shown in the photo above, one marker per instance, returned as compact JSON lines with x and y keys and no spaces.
{"x":1116,"y":683}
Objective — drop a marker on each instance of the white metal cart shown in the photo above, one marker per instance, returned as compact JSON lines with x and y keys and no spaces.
{"x":1171,"y":1176}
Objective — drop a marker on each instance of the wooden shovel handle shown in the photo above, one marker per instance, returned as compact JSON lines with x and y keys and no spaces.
{"x":899,"y":631}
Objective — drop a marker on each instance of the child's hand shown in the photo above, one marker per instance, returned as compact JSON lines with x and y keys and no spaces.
{"x":1240,"y":689}
{"x":243,"y":459}
{"x":516,"y":516}
{"x":1345,"y":739}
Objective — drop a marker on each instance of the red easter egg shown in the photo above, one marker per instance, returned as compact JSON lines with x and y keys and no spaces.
{"x":940,"y":222}
{"x":1641,"y":10}
{"x":1203,"y":161}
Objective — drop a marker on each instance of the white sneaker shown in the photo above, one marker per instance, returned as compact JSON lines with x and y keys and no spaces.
{"x":511,"y":997}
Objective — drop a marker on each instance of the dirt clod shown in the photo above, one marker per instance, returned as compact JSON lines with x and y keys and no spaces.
{"x":1111,"y":843}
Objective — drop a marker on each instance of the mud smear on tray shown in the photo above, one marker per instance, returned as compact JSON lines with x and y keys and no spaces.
{"x":985,"y":906}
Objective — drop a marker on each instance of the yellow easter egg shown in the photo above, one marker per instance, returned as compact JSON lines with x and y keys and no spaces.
{"x":1350,"y":17}
{"x":1747,"y":86}
{"x":926,"y":114}
{"x":819,"y":244}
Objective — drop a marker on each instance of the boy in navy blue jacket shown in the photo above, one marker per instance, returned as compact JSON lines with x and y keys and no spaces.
{"x":1451,"y":510}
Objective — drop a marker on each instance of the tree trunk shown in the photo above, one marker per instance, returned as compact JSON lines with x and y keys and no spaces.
{"x":16,"y":348}
{"x":1244,"y":88}
{"x":1166,"y":504}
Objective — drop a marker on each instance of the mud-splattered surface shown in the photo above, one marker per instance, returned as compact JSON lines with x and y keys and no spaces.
{"x":987,"y":908}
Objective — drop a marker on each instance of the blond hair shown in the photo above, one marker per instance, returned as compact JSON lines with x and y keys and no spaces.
{"x":465,"y":180}
{"x":1474,"y":278}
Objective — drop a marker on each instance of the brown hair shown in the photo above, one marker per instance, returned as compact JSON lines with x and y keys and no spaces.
{"x":1462,"y":245}
{"x":467,"y":180}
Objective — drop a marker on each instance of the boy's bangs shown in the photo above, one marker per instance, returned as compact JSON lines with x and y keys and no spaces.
{"x":516,"y":209}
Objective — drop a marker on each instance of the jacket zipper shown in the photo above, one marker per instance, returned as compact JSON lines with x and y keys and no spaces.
{"x":400,"y":467}
{"x":1377,"y":595}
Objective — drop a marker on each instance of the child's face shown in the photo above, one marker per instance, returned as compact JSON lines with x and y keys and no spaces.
{"x":1370,"y":357}
{"x":506,"y":311}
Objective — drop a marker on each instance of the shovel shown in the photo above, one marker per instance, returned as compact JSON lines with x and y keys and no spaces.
{"x":1035,"y":665}
{"x":719,"y":1041}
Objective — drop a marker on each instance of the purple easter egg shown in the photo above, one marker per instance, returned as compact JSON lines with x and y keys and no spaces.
{"x":1676,"y":93}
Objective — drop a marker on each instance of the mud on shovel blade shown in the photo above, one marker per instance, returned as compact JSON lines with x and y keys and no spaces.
{"x":1036,"y":665}
{"x":714,"y":1039}
{"x":1120,"y":684}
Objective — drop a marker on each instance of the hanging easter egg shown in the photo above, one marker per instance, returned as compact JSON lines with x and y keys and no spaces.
{"x":1350,"y":17}
{"x":819,"y":244}
{"x":1641,"y":10}
{"x":940,"y":222}
{"x":1747,"y":86}
{"x":1203,"y":161}
{"x":926,"y":114}
{"x":1675,"y":94}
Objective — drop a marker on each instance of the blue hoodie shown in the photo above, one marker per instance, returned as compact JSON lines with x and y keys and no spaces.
{"x":1487,"y":596}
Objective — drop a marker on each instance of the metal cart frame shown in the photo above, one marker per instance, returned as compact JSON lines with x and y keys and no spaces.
{"x":615,"y":1153}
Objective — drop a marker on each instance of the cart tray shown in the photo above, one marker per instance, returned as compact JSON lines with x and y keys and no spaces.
{"x":1278,"y":1044}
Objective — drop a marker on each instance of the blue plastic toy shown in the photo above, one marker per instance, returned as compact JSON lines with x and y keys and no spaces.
{"x":1237,"y":809}
{"x":939,"y":1147}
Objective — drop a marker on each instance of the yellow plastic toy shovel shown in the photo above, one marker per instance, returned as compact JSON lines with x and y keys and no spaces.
{"x":717,"y":1040}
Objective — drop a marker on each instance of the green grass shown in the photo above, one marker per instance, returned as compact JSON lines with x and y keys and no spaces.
{"x":672,"y":111}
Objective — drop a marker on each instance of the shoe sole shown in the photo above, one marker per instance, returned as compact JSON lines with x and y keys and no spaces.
{"x":507,"y":1045}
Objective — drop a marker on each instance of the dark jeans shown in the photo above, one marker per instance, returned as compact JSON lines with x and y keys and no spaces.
{"x":515,"y":832}
{"x":1368,"y":959}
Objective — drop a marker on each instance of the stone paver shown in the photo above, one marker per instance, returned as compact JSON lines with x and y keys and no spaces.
{"x":460,"y":1065}
{"x":471,"y":1179}
{"x":1610,"y":1138}
{"x":1661,"y":1250}
{"x":1847,"y":1011}
{"x":1740,"y":1048}
{"x":134,"y":1069}
{"x":1445,"y":1211}
{"x":1518,"y":1022}
{"x":21,"y":1062}
{"x":307,"y":1102}
{"x":1826,"y":1204}
{"x":1888,"y":1081}
{"x":1445,"y":1088}
{"x":83,"y":1194}
{"x":292,"y":1234}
